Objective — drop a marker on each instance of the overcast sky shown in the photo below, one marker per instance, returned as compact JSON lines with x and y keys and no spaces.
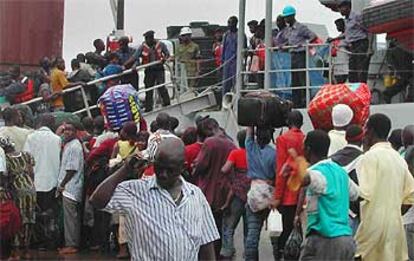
{"x":86,"y":20}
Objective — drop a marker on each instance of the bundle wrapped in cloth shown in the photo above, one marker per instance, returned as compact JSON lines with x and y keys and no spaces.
{"x":356,"y":95}
{"x":120,"y":104}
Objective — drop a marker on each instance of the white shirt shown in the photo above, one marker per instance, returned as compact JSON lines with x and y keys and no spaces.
{"x":338,"y":141}
{"x":3,"y":167}
{"x":45,"y":147}
{"x":153,"y":142}
{"x":72,"y":159}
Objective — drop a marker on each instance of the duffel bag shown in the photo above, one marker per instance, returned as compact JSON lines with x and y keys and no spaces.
{"x":356,"y":95}
{"x":263,"y":109}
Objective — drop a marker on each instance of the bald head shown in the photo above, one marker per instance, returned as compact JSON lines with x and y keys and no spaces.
{"x":170,"y":149}
{"x":169,"y":162}
{"x":408,"y":136}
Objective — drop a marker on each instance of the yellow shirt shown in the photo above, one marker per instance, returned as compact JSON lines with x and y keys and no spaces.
{"x":58,"y":82}
{"x":125,"y":148}
{"x":385,"y":184}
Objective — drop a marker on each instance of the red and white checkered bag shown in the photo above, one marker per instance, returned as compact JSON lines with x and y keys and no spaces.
{"x":356,"y":95}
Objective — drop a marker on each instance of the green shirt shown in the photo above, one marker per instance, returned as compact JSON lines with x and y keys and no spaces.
{"x":187,"y":53}
{"x":328,"y":198}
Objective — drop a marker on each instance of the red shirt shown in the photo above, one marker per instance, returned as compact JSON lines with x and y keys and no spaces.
{"x":293,"y":138}
{"x":213,"y":155}
{"x":103,"y":150}
{"x":191,"y":153}
{"x":238,"y":158}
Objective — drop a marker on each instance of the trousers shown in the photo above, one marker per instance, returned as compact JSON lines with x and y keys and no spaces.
{"x":152,"y":78}
{"x":299,"y":79}
{"x":71,"y":222}
{"x":359,"y":61}
{"x":288,"y":216}
{"x":317,"y":247}
{"x":231,"y":218}
{"x":255,"y":222}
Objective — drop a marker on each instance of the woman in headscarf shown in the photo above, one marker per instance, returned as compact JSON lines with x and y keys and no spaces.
{"x":20,"y":170}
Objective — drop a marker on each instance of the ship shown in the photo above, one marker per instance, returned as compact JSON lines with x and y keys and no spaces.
{"x":24,"y":42}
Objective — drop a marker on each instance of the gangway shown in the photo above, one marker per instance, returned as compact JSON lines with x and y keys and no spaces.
{"x":180,"y":106}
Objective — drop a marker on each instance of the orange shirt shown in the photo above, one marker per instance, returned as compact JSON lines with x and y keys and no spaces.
{"x":58,"y":81}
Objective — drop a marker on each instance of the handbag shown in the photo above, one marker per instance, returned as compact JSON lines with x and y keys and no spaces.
{"x":274,"y":223}
{"x":10,"y":220}
{"x":259,"y":195}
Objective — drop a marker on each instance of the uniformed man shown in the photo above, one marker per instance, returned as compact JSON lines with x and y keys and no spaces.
{"x":152,"y":50}
{"x":298,"y":36}
{"x":187,"y":53}
{"x":357,"y":40}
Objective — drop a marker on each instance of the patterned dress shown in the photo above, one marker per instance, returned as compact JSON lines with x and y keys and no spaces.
{"x":18,"y":168}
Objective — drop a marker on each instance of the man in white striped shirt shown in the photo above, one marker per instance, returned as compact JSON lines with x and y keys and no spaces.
{"x":167,"y":217}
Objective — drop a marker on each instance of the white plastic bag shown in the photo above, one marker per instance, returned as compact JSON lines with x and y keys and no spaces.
{"x":274,"y":223}
{"x":259,"y":195}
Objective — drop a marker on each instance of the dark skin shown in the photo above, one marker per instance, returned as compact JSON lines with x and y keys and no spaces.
{"x":168,"y":165}
{"x":69,"y":134}
{"x":345,"y":10}
{"x":280,"y":22}
{"x":99,"y":46}
{"x":407,"y":136}
{"x":61,"y":66}
{"x":232,"y":24}
{"x":290,"y":20}
{"x":340,"y":27}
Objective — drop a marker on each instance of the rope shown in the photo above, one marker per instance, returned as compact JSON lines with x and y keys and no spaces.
{"x":210,"y":72}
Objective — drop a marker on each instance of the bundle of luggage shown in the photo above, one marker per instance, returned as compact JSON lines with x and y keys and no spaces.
{"x":356,"y":95}
{"x":263,"y":109}
{"x":120,"y":104}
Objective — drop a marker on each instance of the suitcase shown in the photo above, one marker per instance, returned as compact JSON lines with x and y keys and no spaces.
{"x":263,"y":109}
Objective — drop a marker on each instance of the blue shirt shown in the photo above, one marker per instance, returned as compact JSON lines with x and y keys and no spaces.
{"x":158,"y":228}
{"x":299,"y":34}
{"x":354,"y":30}
{"x":261,"y":163}
{"x":124,"y":55}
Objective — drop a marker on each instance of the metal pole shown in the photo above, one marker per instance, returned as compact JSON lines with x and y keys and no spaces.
{"x":268,"y":44}
{"x":307,"y":75}
{"x":85,"y":101}
{"x":120,"y":10}
{"x":240,"y":47}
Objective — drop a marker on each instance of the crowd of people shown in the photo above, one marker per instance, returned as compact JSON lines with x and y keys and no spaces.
{"x":152,"y":193}
{"x":89,"y":187}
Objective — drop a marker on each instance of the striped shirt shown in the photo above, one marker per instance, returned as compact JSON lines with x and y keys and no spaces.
{"x":72,"y":159}
{"x":153,"y":142}
{"x":157,"y":228}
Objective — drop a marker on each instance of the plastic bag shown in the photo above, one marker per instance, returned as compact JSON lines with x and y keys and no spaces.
{"x":259,"y":195}
{"x":293,"y":244}
{"x":274,"y":223}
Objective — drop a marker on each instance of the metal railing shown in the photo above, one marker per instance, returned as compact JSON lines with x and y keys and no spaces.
{"x":87,"y":108}
{"x":307,"y":69}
